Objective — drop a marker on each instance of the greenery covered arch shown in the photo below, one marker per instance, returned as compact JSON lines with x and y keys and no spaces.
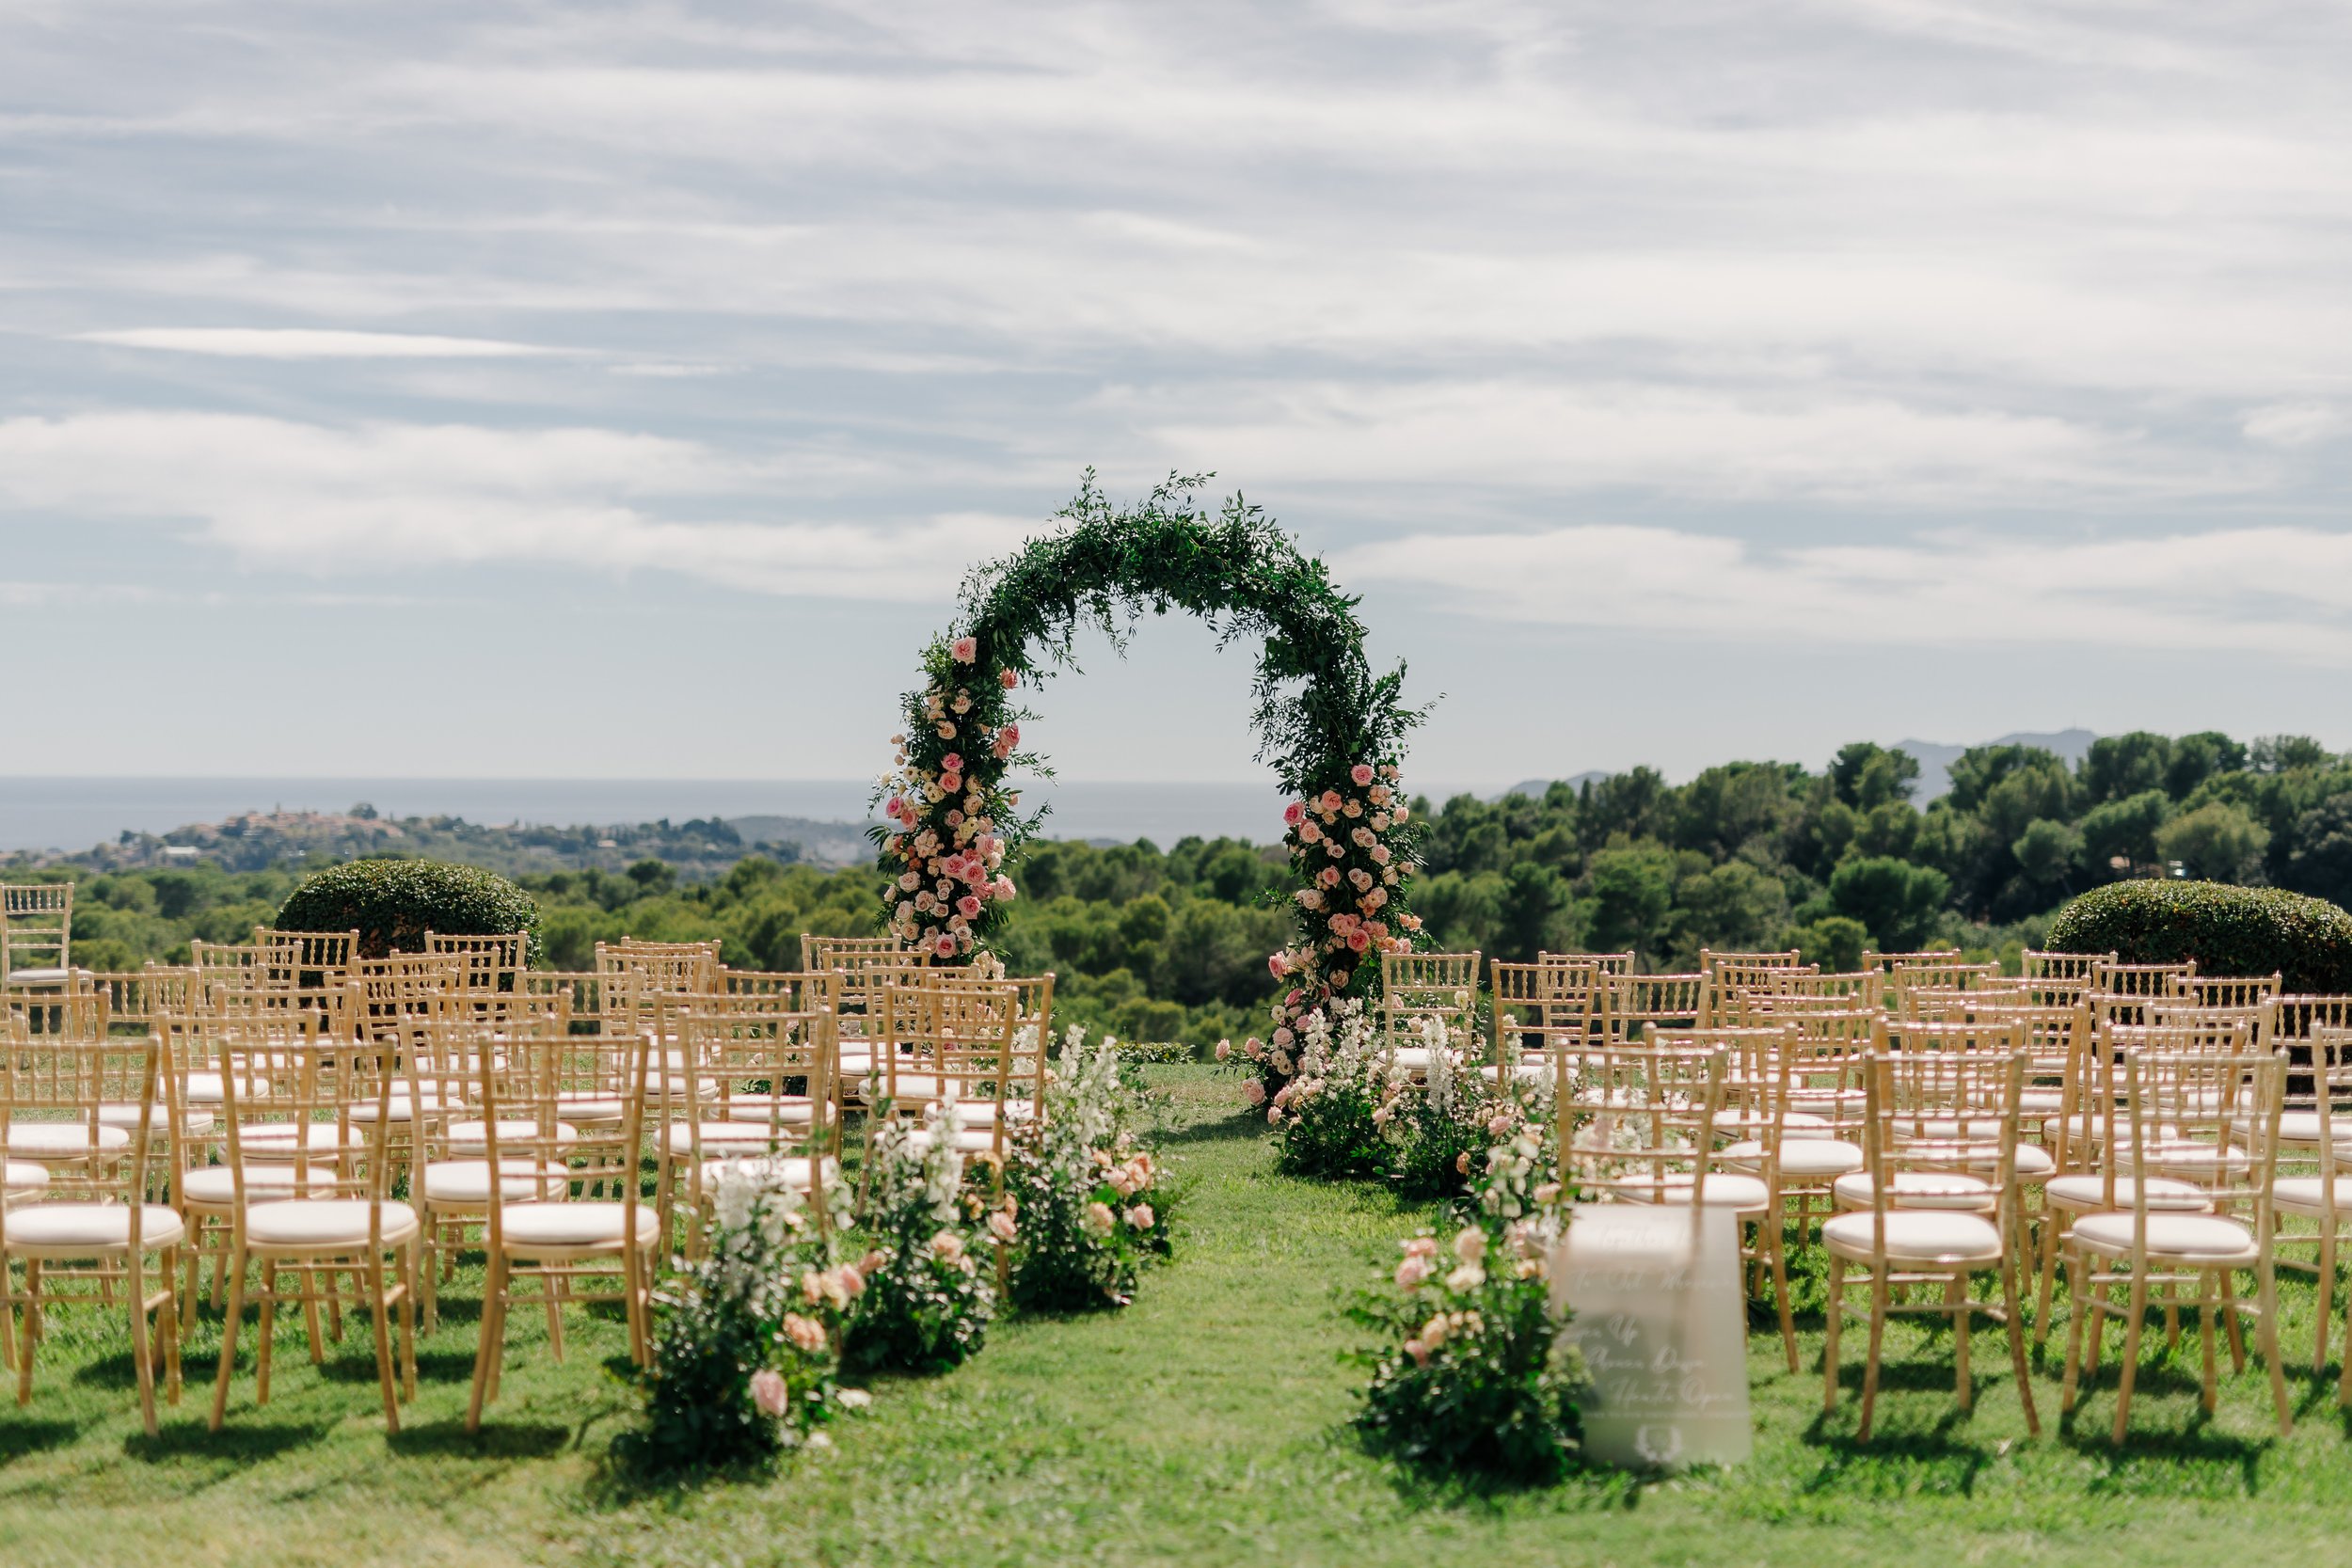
{"x":1332,"y":729}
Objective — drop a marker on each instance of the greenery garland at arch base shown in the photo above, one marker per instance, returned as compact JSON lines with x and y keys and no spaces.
{"x":1332,"y":730}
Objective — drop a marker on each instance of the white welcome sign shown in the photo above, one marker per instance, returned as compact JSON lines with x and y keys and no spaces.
{"x":1661,"y":1319}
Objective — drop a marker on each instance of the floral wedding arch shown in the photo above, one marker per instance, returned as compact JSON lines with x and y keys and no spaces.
{"x":1332,"y":730}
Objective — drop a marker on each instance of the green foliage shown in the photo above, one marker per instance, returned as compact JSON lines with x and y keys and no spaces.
{"x":393,"y":904}
{"x":928,"y":1296}
{"x":1898,"y":902}
{"x":1084,"y":1190}
{"x":2227,"y":930}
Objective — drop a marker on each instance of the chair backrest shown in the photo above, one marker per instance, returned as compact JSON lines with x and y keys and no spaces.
{"x":306,"y":957}
{"x":1417,"y":988}
{"x":1601,"y":963}
{"x":1640,"y":1122}
{"x":845,"y":952}
{"x":135,"y":998}
{"x":1631,"y":1003}
{"x":2300,"y":1017}
{"x":2037,"y":965}
{"x":36,"y":926}
{"x":521,"y":1099}
{"x":484,"y":962}
{"x":2331,"y":1099}
{"x":2261,"y":1016}
{"x":2209,"y":1118}
{"x":234,"y":963}
{"x":2230,"y":991}
{"x":1887,"y":963}
{"x":1730,"y":971}
{"x":300,"y":1086}
{"x":1033,"y":1026}
{"x":2121,"y":979}
{"x":55,"y":1083}
{"x":940,"y":1040}
{"x":748,"y":1048}
{"x":77,"y":1012}
{"x":680,"y":966}
{"x":399,"y":987}
{"x":1949,"y":1113}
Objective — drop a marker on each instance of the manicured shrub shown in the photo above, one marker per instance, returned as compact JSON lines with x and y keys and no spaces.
{"x":393,"y":904}
{"x":2228,"y":930}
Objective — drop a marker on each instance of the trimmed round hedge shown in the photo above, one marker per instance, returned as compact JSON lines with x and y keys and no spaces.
{"x":393,"y":904}
{"x":2227,"y":929}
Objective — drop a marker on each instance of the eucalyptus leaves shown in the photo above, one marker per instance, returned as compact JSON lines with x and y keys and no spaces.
{"x":1332,"y":729}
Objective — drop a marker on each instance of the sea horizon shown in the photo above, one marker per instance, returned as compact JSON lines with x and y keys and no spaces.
{"x":69,"y":814}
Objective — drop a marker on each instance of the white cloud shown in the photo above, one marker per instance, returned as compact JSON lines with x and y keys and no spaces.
{"x":286,"y":343}
{"x":2292,"y":424}
{"x":423,"y":498}
{"x":2270,"y":590}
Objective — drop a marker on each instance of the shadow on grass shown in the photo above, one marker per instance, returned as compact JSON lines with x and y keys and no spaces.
{"x":2126,"y":1463}
{"x":244,"y":1443}
{"x":20,"y":1437}
{"x":1941,"y":1457}
{"x":1218,"y":1130}
{"x":497,"y":1440}
{"x":433,"y":1366}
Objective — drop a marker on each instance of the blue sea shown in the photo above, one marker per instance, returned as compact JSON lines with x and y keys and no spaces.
{"x":74,"y":813}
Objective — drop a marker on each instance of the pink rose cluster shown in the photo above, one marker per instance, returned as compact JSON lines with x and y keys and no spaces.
{"x":944,"y":843}
{"x":1350,"y":875}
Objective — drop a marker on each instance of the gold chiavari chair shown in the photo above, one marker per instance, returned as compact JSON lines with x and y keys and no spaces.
{"x":1915,"y":1151}
{"x":2141,"y":980}
{"x":1629,"y":1004}
{"x":1424,"y":990}
{"x":1599,"y":963}
{"x":2181,"y":1110}
{"x":862,"y":1019}
{"x":2318,"y":1191}
{"x":562,"y":1236}
{"x":2036,"y":965}
{"x":682,"y":966}
{"x":1526,"y":999}
{"x":306,"y":957}
{"x":485,"y":963}
{"x":138,"y":999}
{"x":398,"y":988}
{"x":1823,"y":1097}
{"x":36,"y":934}
{"x":1032,"y":1044}
{"x":241,"y":964}
{"x":760,"y":1094}
{"x":948,"y":1042}
{"x":2301,"y":1017}
{"x":1733,"y":971}
{"x":1637,"y":1125}
{"x":1769,"y":1137}
{"x":94,"y":1230}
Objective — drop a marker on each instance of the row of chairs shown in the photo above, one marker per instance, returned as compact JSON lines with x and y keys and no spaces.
{"x":2125,"y":1122}
{"x":326,"y":1131}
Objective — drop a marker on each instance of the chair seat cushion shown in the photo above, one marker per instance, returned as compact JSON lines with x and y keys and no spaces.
{"x":46,"y":976}
{"x":1916,"y":1236}
{"x":559,"y":1226}
{"x":2088,"y":1193}
{"x":1919,"y":1189}
{"x":1412,"y":1058}
{"x":61,"y":1140}
{"x":198,"y":1123}
{"x":596,"y":1104}
{"x":1724,"y":1190}
{"x":324,"y":1222}
{"x":279,"y":1140}
{"x":680,"y":1137}
{"x":2298,"y":1194}
{"x":2300,"y":1128}
{"x":467,"y":1181}
{"x":468,"y":1135}
{"x":25,"y":1176}
{"x":2189,"y":1238}
{"x":1799,"y":1157}
{"x":792,"y":1109}
{"x":969,"y":1140}
{"x":100,"y":1228}
{"x":214,"y":1186}
{"x":401,"y":1106}
{"x":983,"y":1113}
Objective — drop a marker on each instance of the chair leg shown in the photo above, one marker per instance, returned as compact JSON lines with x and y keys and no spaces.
{"x":8,"y":1316}
{"x":1963,"y":1312}
{"x":2010,"y":1310}
{"x":2327,"y":1291}
{"x":2268,"y":1329}
{"x":1878,"y":1340}
{"x":166,"y":1327}
{"x":409,"y":1323}
{"x":380,"y":1311}
{"x":32,"y":1331}
{"x":2078,"y":1313}
{"x":2050,"y":1225}
{"x":268,"y":1332}
{"x":1778,"y":1242}
{"x":493,"y":1344}
{"x":135,"y":1279}
{"x":2130,"y":1366}
{"x":2209,"y":1363}
{"x":230,"y":1333}
{"x":2230,"y":1319}
{"x":553,"y":1286}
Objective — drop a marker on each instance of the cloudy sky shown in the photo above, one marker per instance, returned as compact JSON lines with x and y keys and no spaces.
{"x":620,"y":391}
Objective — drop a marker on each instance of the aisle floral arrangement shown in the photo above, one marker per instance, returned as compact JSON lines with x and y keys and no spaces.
{"x":1334,"y":731}
{"x":1349,"y":1110}
{"x":931,"y":1285}
{"x":1093,"y":1204}
{"x":1470,"y":1372}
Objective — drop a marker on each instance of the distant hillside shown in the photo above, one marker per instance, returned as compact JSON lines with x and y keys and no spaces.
{"x":1936,"y":759}
{"x":1936,"y":763}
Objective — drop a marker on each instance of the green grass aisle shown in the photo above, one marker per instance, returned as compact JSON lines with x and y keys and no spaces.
{"x":1205,"y":1425}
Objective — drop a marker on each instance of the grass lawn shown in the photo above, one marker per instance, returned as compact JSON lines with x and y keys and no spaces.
{"x":1204,"y":1425}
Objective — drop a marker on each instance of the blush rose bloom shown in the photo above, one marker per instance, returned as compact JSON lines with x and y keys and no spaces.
{"x":1140,"y":1216}
{"x":1007,"y":679}
{"x":965,"y":650}
{"x":806,"y":1334}
{"x":951,"y":763}
{"x":1294,"y":814}
{"x":1330,"y":800}
{"x":770,"y":1393}
{"x":1254,"y":1092}
{"x":968,"y":906}
{"x":1360,"y":775}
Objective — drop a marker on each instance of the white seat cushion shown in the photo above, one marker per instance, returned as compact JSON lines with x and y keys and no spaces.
{"x":1724,"y":1190}
{"x":791,"y":1170}
{"x":558,"y":1227}
{"x":98,"y":1227}
{"x":680,"y":1137}
{"x":1919,"y":1189}
{"x":264,"y":1182}
{"x":2300,"y":1128}
{"x":38,"y":976}
{"x":25,"y":1176}
{"x":2299,"y":1194}
{"x":279,"y":1140}
{"x":2088,"y":1193}
{"x":63,"y":1140}
{"x":1803,"y":1158}
{"x":969,"y":1140}
{"x":791,"y":1109}
{"x":2034,"y":1162}
{"x":127,"y":1118}
{"x":466,"y":1135}
{"x":981,"y":1113}
{"x":594,"y":1104}
{"x":467,"y":1181}
{"x":1413,"y":1058}
{"x":203,"y":1088}
{"x":1916,"y":1236}
{"x":2190,"y":1238}
{"x":324,"y":1222}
